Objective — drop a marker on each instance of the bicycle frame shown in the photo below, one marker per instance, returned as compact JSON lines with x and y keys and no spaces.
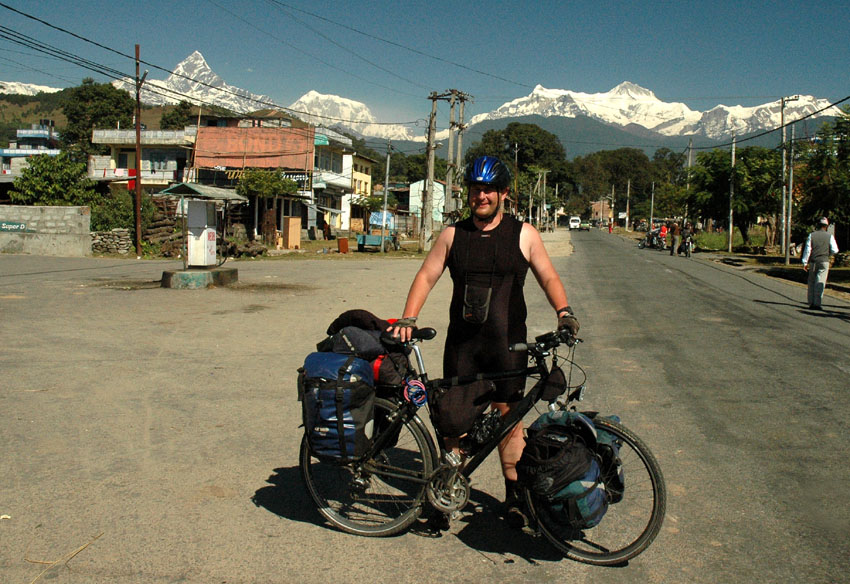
{"x":514,"y":416}
{"x":407,"y":412}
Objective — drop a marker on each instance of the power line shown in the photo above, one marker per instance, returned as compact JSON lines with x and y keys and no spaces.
{"x":786,"y":124}
{"x":359,"y":56}
{"x":400,"y":46}
{"x":174,"y":73}
{"x":308,"y":54}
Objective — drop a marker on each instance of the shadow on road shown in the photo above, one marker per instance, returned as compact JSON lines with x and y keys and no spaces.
{"x":484,"y":530}
{"x":287,"y":498}
{"x":480,"y":527}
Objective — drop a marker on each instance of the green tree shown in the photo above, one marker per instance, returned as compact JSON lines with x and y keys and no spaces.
{"x":375,"y":202}
{"x":53,"y":180}
{"x":824,"y":178}
{"x":265,"y":183}
{"x":756,"y":188}
{"x":93,"y":105}
{"x":178,"y":117}
{"x":528,"y":150}
{"x":417,"y":168}
{"x":528,"y":144}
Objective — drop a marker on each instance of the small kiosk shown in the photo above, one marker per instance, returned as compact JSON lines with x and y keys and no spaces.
{"x":198,"y":206}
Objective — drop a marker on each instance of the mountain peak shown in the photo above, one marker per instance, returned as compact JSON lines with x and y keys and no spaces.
{"x":632,"y":90}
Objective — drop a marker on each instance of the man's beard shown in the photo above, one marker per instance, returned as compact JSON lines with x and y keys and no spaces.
{"x":489,"y":217}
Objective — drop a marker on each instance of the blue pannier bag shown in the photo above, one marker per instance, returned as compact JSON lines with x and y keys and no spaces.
{"x":561,"y":468}
{"x":338,"y":400}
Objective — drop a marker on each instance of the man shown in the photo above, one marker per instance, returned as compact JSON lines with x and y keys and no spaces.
{"x":676,"y":232}
{"x":488,"y":256}
{"x":819,"y":246}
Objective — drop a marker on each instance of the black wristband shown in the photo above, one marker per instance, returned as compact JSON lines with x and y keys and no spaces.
{"x":566,"y":309}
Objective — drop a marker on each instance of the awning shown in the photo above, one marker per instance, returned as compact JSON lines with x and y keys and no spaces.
{"x":198,"y":191}
{"x":329,"y":210}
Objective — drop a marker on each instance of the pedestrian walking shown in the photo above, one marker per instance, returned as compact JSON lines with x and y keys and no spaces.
{"x":820,"y":245}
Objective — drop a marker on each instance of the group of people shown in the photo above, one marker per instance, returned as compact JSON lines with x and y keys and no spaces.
{"x":679,"y":236}
{"x":488,"y":256}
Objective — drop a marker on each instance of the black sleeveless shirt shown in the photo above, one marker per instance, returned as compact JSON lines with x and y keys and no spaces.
{"x":489,"y":259}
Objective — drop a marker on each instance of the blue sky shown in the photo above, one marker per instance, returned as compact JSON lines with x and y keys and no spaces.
{"x":391,"y":55}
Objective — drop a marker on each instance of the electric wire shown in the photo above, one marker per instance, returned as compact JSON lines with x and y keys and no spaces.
{"x":303,"y":52}
{"x":354,"y":53}
{"x":176,"y":74}
{"x":114,"y":73}
{"x":400,"y":46}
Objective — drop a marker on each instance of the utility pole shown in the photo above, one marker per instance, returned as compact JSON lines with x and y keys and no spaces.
{"x":386,"y":188}
{"x":516,"y":178}
{"x":454,"y":165}
{"x":545,"y":212}
{"x":731,"y":191}
{"x":651,"y":206}
{"x":613,"y":205}
{"x":782,"y":102}
{"x":459,"y":154}
{"x":628,"y":200}
{"x":138,"y":181}
{"x":448,"y":202}
{"x":427,"y":218}
{"x":790,"y":199}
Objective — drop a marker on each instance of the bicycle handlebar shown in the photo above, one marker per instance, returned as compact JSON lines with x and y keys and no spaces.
{"x":546,"y":341}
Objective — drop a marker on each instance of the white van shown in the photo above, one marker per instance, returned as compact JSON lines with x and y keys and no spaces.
{"x":575,"y":222}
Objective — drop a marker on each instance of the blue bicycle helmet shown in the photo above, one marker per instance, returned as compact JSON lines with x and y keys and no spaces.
{"x":488,"y":170}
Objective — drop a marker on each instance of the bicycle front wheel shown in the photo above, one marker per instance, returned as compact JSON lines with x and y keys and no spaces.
{"x":630,"y":525}
{"x":381,"y":496}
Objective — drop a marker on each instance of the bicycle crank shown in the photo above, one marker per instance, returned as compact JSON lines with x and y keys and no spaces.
{"x":448,"y":490}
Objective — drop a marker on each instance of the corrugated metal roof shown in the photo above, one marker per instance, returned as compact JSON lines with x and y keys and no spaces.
{"x":198,"y":191}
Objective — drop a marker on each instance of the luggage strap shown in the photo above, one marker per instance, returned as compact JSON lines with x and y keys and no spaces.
{"x":339,"y":396}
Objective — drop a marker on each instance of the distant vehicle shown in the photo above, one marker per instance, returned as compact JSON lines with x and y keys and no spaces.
{"x":575,"y":222}
{"x":584,"y":225}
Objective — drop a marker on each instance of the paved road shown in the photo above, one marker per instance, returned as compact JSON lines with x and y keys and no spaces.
{"x":157,"y":429}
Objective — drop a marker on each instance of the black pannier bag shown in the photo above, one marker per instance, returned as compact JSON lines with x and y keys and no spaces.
{"x":338,"y":400}
{"x":560,"y":465}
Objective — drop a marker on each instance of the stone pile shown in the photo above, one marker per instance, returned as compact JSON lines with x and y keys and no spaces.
{"x":114,"y":241}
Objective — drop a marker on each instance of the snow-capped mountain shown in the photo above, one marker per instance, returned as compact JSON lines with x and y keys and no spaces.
{"x":15,"y":88}
{"x":625,"y":105}
{"x":330,"y":110}
{"x":193,"y":80}
{"x":631,"y":104}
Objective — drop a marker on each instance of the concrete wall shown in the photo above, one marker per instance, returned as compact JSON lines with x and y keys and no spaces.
{"x":51,"y":231}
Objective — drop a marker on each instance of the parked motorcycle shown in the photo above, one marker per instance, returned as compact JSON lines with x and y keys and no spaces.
{"x":686,"y":246}
{"x":652,"y":239}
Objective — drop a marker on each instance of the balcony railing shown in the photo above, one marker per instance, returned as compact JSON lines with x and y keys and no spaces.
{"x":149,"y":177}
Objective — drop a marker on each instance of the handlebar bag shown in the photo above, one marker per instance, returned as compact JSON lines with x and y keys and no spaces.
{"x":338,"y":401}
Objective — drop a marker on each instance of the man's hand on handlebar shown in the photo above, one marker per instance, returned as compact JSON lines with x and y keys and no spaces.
{"x":568,"y":322}
{"x":403,"y":328}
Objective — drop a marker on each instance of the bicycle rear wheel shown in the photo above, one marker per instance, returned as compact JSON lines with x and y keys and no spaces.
{"x":630,"y":525}
{"x":377,"y":497}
